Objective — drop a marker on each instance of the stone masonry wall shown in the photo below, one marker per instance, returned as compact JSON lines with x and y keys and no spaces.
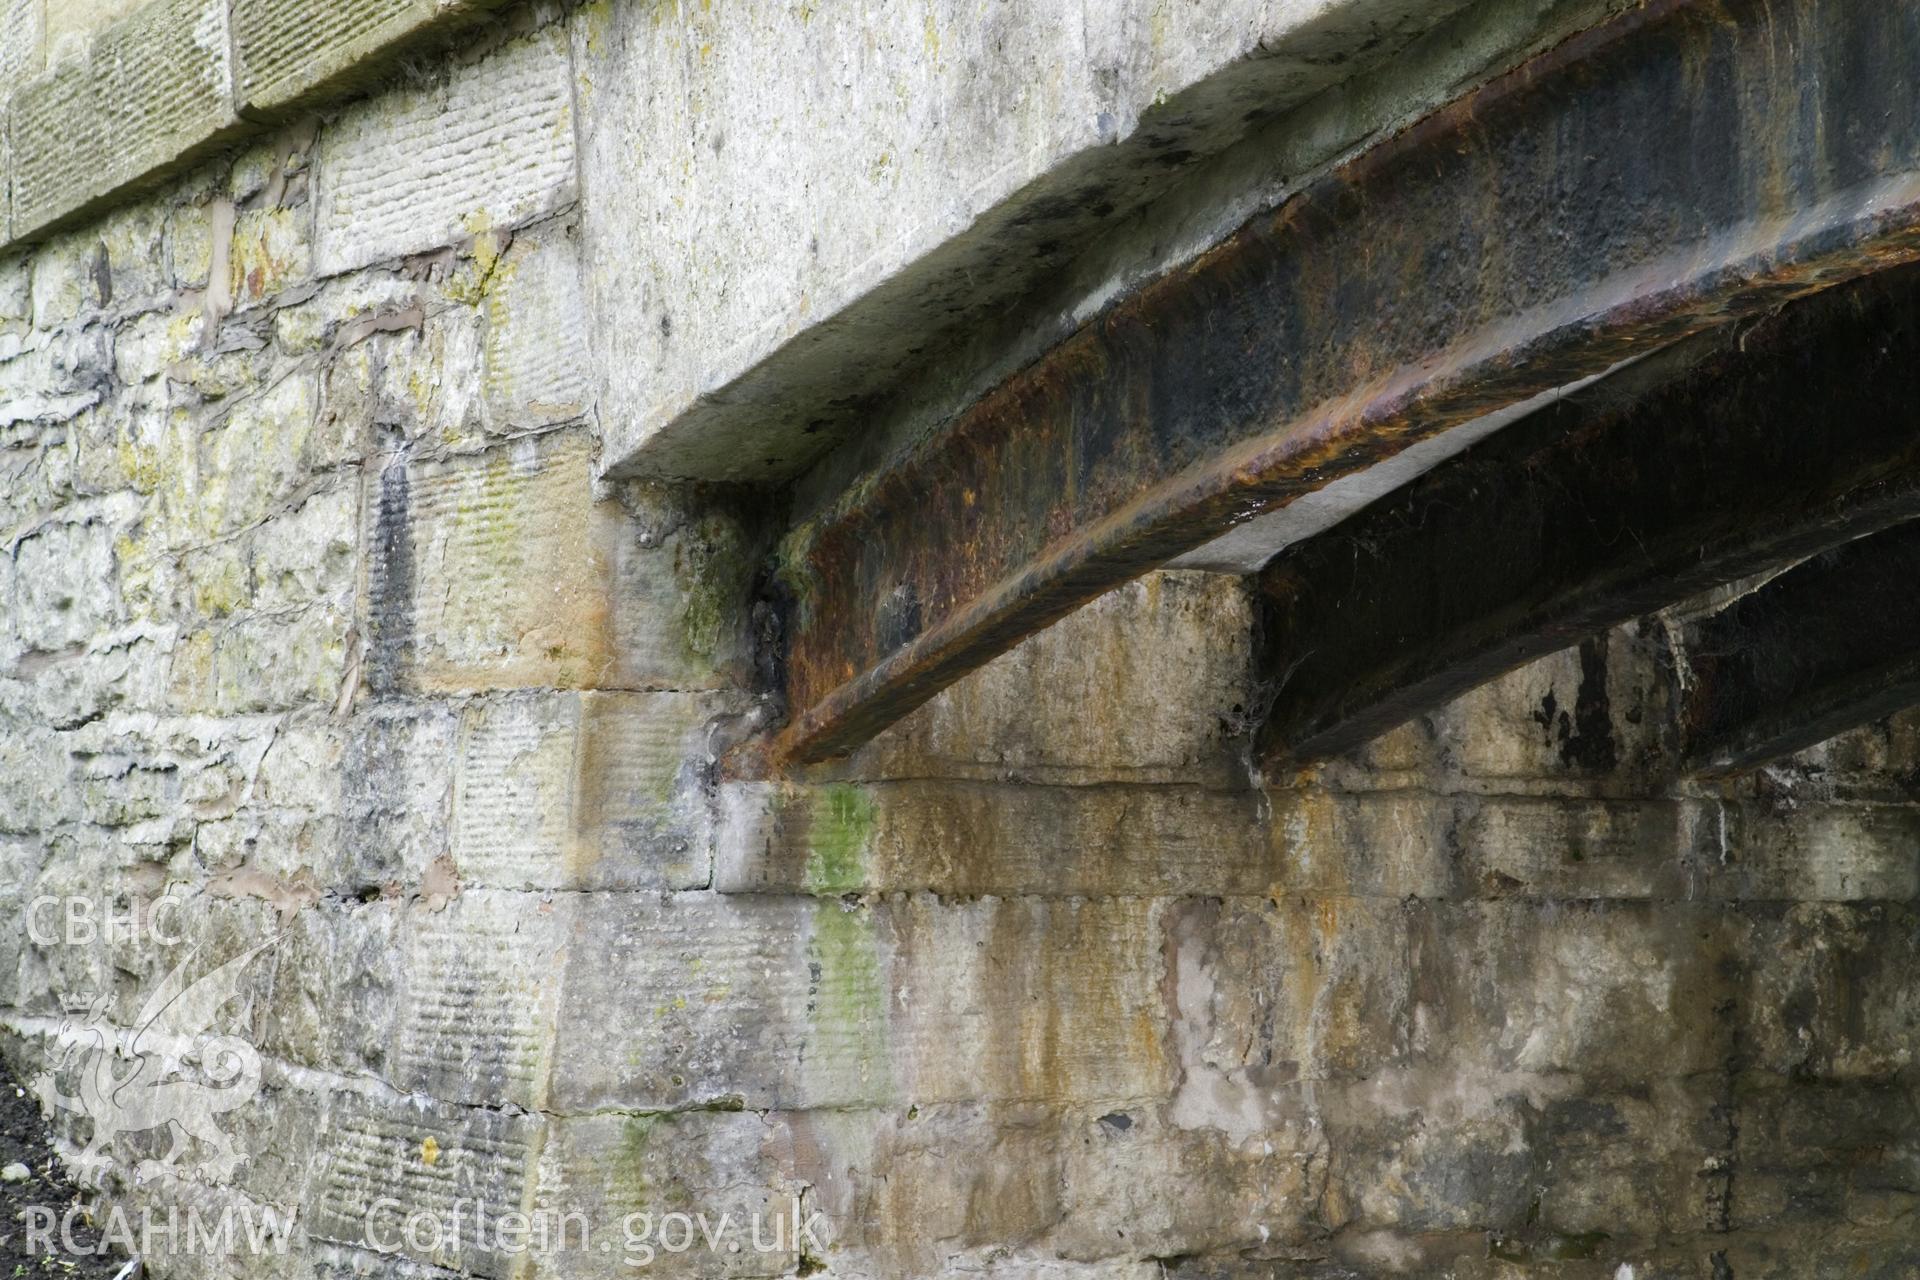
{"x":318,"y":624}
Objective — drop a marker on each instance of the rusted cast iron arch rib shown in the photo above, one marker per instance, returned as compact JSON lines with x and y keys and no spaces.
{"x":1683,"y":166}
{"x":1719,"y":458}
{"x":1828,"y":646}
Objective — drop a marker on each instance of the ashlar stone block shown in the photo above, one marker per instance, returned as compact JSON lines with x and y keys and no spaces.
{"x":489,"y":148}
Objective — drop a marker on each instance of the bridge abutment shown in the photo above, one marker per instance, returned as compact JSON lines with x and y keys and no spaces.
{"x":339,"y":617}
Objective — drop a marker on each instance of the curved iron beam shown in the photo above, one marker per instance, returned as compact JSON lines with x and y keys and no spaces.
{"x":1680,"y":167}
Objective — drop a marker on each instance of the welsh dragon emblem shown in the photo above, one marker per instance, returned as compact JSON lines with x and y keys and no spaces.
{"x":174,"y":1029}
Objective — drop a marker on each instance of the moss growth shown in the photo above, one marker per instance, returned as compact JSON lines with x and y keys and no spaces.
{"x":631,"y":1179}
{"x":847,"y":1004}
{"x":716,"y":569}
{"x":839,"y":831}
{"x":703,"y":621}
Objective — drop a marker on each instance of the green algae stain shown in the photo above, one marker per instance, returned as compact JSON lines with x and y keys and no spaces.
{"x":839,"y":830}
{"x":847,"y":997}
{"x":714,"y":570}
{"x":705,"y":620}
{"x":634,"y":1137}
{"x":632,"y":1176}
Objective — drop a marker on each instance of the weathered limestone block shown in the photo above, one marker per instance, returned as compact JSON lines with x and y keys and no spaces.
{"x":821,"y":210}
{"x":1014,"y":1191}
{"x":16,"y":297}
{"x":453,"y":1000}
{"x":1550,"y":1167}
{"x":277,"y":1132}
{"x":153,"y":87}
{"x":344,"y":993}
{"x":1410,"y":1162}
{"x":135,"y":769}
{"x":514,"y":793}
{"x":38,"y":478}
{"x":503,"y":569}
{"x":252,"y":846}
{"x":65,"y":276}
{"x":584,"y":791}
{"x":31,"y":481}
{"x":482,"y":995}
{"x":1646,"y":1156}
{"x":294,"y":570}
{"x":1613,"y":991}
{"x":235,"y":365}
{"x":308,"y":553}
{"x":968,"y":838}
{"x":539,"y":370}
{"x":130,"y":263}
{"x":1270,"y":992}
{"x":285,"y":49}
{"x":429,"y":1159}
{"x":1826,"y":997}
{"x":490,"y":148}
{"x":411,"y":376}
{"x":489,"y":571}
{"x":628,"y":1176}
{"x":57,"y":132}
{"x":285,"y":563}
{"x":290,"y":53}
{"x":271,"y":248}
{"x":21,"y":861}
{"x":910,"y":1191}
{"x":721,"y":1004}
{"x":190,"y":236}
{"x":685,"y":581}
{"x":53,"y":978}
{"x":346,"y":312}
{"x":1829,"y":852}
{"x":396,"y":794}
{"x":339,"y":977}
{"x":1563,"y":847}
{"x":1019,"y":998}
{"x":113,"y":974}
{"x":122,"y":671}
{"x":297,"y":767}
{"x":263,"y":662}
{"x":952,"y":1189}
{"x":256,"y":461}
{"x":125,"y":788}
{"x":1393,"y":844}
{"x":1138,"y":686}
{"x":1138,"y":1184}
{"x":51,"y":378}
{"x":1808,"y":1154}
{"x":795,"y":1003}
{"x":64,"y":586}
{"x":22,"y":29}
{"x":70,"y":25}
{"x":147,"y":345}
